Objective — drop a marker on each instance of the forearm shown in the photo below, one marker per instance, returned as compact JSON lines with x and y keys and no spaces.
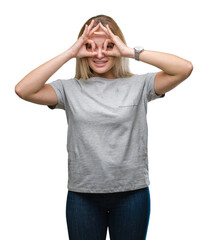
{"x":36,"y":79}
{"x":169,"y":63}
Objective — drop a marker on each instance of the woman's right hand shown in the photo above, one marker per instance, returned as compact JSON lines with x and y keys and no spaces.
{"x":78,"y":49}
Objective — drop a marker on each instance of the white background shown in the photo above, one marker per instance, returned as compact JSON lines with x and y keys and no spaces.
{"x":33,"y":156}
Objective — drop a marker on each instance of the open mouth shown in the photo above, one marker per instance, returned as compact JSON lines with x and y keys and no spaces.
{"x":100,"y":63}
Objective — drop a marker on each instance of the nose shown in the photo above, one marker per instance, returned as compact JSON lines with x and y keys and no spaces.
{"x":100,"y":54}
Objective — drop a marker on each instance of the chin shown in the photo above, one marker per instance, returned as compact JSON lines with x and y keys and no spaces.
{"x":102,"y":72}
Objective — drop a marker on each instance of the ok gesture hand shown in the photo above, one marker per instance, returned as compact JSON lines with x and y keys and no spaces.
{"x":78,"y":49}
{"x":119,"y":48}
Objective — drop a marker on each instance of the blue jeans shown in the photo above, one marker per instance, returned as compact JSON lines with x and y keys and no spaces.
{"x":125,"y":213}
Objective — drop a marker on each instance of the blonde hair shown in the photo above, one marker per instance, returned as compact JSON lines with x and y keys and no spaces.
{"x":121,"y":67}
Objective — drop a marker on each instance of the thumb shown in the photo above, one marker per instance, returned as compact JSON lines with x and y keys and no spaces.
{"x":91,"y":54}
{"x":108,"y":53}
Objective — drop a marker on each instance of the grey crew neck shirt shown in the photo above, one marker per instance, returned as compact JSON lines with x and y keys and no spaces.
{"x":107,"y":131}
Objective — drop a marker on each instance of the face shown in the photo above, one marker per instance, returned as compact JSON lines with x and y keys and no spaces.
{"x":101,"y":64}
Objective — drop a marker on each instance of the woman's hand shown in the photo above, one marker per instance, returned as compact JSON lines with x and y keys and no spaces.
{"x":78,"y":49}
{"x":119,"y":49}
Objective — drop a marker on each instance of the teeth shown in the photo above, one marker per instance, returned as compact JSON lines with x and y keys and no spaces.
{"x":100,"y":62}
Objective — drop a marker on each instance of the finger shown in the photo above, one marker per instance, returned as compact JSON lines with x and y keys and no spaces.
{"x":99,"y":33}
{"x":91,"y":54}
{"x":94,"y":29}
{"x":106,"y":44}
{"x":85,"y":30}
{"x":92,"y":43}
{"x":104,"y":29}
{"x":109,"y":31}
{"x":107,"y":53}
{"x":90,"y":26}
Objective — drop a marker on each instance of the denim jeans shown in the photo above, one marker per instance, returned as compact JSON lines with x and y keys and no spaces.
{"x":125,"y":214}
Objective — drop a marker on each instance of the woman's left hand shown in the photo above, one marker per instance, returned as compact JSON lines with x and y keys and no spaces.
{"x":119,"y":49}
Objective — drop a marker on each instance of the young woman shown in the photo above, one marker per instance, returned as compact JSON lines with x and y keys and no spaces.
{"x":106,"y":108}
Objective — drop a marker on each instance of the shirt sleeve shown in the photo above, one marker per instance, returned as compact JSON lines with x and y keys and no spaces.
{"x":149,"y":85}
{"x":59,"y":90}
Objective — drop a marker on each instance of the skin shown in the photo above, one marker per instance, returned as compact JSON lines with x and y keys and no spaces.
{"x":103,"y":44}
{"x":174,"y":69}
{"x":101,"y":71}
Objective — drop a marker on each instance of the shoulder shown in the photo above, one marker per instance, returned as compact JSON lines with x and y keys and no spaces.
{"x":145,"y":76}
{"x":69,"y":81}
{"x":138,"y":78}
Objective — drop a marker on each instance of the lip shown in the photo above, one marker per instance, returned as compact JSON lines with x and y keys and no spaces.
{"x":100,"y":64}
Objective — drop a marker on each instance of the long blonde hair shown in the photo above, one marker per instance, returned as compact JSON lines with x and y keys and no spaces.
{"x":121,"y":67}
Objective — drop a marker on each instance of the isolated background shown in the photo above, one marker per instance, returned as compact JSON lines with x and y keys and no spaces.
{"x":33,"y":156}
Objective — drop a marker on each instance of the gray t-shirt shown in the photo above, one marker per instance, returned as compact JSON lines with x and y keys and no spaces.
{"x":107,"y":131}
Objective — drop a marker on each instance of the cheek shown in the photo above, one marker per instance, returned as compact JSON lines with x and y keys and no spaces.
{"x":112,"y":60}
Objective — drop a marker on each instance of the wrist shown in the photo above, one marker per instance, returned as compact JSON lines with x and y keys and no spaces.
{"x":137,"y":52}
{"x":68,"y":54}
{"x":130,"y":53}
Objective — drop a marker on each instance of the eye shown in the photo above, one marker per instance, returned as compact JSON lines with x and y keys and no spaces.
{"x":110,"y":46}
{"x":88,"y":46}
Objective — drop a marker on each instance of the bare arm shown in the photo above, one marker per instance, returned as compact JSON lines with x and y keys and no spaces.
{"x":32,"y":87}
{"x":174,"y":69}
{"x":36,"y":79}
{"x":169,"y":63}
